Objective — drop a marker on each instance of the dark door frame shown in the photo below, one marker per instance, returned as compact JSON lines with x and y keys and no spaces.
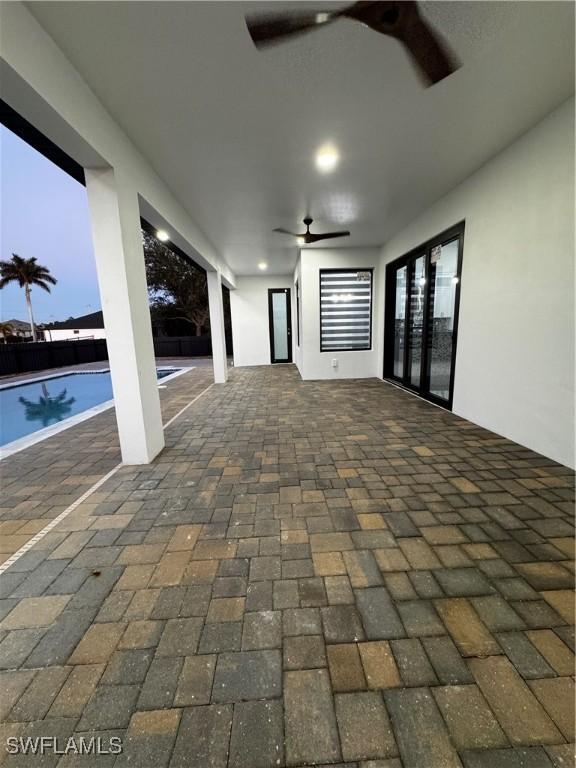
{"x":297,"y":288}
{"x":286,"y":292}
{"x":408,"y":260}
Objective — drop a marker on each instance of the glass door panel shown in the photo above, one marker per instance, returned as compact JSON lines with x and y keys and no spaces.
{"x":399,"y":322}
{"x":421,"y":316}
{"x":280,"y":325}
{"x":416,"y":320}
{"x":441,"y":316}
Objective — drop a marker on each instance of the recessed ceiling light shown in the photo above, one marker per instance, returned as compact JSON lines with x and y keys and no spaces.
{"x":162,"y":235}
{"x":262,"y":265}
{"x":327,"y":158}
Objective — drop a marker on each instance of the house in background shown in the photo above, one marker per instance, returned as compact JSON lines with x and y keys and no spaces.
{"x":92,"y":327}
{"x":84,"y":327}
{"x":20,"y":330}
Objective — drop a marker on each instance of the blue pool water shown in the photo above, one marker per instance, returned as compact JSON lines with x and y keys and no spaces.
{"x":26,"y":408}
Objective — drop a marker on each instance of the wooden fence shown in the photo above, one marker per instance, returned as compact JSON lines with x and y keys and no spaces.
{"x":27,"y":357}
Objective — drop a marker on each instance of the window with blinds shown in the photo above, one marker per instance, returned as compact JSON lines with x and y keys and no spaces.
{"x":345,"y":309}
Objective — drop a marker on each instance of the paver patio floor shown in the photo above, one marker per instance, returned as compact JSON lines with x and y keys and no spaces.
{"x":310,"y":573}
{"x":42,"y":481}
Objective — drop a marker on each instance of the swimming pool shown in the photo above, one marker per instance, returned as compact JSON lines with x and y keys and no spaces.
{"x":37,"y":405}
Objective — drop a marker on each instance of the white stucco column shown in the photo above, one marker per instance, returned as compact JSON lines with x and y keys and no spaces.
{"x":217,"y":333}
{"x":119,"y":257}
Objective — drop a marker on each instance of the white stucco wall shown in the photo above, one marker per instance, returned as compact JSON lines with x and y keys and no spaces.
{"x":351,"y":365}
{"x":515,"y":354}
{"x":69,"y":334}
{"x":250,"y":325}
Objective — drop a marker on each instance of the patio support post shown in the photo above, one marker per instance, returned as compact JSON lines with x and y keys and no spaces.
{"x":117,"y":239}
{"x":216,"y":304}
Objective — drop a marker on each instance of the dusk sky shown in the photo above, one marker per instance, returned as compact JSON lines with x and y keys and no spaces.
{"x":44,"y":213}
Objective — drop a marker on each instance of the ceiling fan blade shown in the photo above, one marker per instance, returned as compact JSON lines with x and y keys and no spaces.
{"x":328,"y":236}
{"x":286,"y":232}
{"x":430,"y":54}
{"x":402,"y":20}
{"x":271,"y":29}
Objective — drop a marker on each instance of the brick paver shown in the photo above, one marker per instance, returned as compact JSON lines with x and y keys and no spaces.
{"x":42,"y":481}
{"x":310,"y":573}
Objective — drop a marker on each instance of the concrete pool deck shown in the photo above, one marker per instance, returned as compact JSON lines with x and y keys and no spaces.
{"x":41,"y":481}
{"x":88,"y":394}
{"x":161,"y":362}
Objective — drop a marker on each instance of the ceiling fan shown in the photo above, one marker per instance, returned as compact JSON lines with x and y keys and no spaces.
{"x":307,"y":238}
{"x":398,"y":19}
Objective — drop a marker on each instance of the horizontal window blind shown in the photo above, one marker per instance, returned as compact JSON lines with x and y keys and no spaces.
{"x":345,"y":309}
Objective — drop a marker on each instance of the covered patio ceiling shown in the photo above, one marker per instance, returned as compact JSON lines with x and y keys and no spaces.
{"x":233,"y":131}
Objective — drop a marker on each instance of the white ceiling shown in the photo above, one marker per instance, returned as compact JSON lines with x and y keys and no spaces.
{"x":233,"y":131}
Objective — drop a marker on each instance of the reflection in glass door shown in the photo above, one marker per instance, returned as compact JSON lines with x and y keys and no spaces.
{"x":399,"y":318}
{"x":444,"y":278}
{"x":416,"y":312}
{"x":422,"y":295}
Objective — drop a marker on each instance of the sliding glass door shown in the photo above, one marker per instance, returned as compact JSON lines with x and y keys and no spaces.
{"x":444,"y":282}
{"x":399,"y":320}
{"x":422,"y":295}
{"x":416,"y":320}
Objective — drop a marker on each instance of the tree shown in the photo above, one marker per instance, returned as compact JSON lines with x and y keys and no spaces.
{"x":6,"y":329}
{"x":26,"y":272}
{"x":176,"y":289}
{"x":47,"y":409}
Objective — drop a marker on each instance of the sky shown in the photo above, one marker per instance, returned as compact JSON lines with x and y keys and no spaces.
{"x":44,"y":213}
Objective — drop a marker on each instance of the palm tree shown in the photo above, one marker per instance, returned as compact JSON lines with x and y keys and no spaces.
{"x":6,"y":329}
{"x":47,"y":409}
{"x":26,"y":272}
